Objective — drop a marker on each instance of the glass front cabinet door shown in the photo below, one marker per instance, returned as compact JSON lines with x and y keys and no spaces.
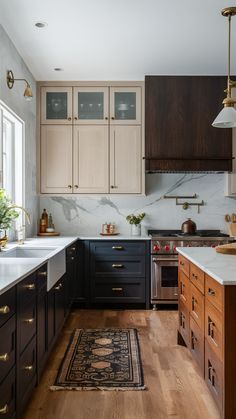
{"x":56,"y":105}
{"x":125,"y":105}
{"x":91,"y":105}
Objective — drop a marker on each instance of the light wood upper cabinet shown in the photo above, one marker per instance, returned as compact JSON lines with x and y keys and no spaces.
{"x":90,"y":159}
{"x":56,"y":159}
{"x":125,"y":105}
{"x":56,"y":105}
{"x":125,"y":159}
{"x":91,"y":105}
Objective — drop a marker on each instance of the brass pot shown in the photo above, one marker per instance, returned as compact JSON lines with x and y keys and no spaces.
{"x":189,"y":227}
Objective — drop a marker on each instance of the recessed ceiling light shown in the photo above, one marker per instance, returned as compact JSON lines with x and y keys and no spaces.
{"x":41,"y":24}
{"x":58,"y":69}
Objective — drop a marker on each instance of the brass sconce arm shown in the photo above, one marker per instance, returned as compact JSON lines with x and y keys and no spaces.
{"x":28,"y":94}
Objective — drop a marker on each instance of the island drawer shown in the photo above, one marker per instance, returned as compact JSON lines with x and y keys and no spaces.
{"x":7,"y":347}
{"x":214,"y":329}
{"x":7,"y":305}
{"x":118,"y":292}
{"x":197,"y":306}
{"x":26,"y":325}
{"x":27,"y":374}
{"x":184,"y":289}
{"x":117,"y":267}
{"x":197,"y":277}
{"x":214,"y":292}
{"x":184,"y":322}
{"x":122,"y":248}
{"x":214,"y":375}
{"x":184,"y":265}
{"x":197,"y":344}
{"x":8,"y":396}
{"x":26,"y":290}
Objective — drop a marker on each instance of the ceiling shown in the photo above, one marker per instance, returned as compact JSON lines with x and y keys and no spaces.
{"x":119,"y":39}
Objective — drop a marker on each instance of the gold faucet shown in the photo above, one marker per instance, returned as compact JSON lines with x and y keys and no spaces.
{"x":21,"y":241}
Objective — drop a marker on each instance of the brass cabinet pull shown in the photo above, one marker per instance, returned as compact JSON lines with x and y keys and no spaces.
{"x":58,"y":287}
{"x":114,"y":187}
{"x":194,"y":276}
{"x":69,"y":118}
{"x":4,"y":357}
{"x":73,"y":248}
{"x":106,"y":117}
{"x":117,"y":266}
{"x":30,"y":321}
{"x":29,"y":286}
{"x":4,"y":410}
{"x":211,"y":291}
{"x":28,"y":367}
{"x":117,"y":248}
{"x":181,"y":263}
{"x":112,"y":117}
{"x":117,"y":289}
{"x":76,"y":118}
{"x":42,"y":273}
{"x":72,"y":258}
{"x":76,"y":186}
{"x":4,"y":310}
{"x":70,"y":186}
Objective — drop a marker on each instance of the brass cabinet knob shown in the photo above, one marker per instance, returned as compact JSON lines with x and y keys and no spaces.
{"x":4,"y":410}
{"x":4,"y":357}
{"x":72,"y":258}
{"x":58,"y":287}
{"x":69,"y":119}
{"x":70,"y":186}
{"x":29,"y":321}
{"x":4,"y":310}
{"x":42,"y":273}
{"x":114,"y":187}
{"x":112,"y":117}
{"x":73,"y":248}
{"x":28,"y":367}
{"x":106,"y":117}
{"x":76,"y":186}
{"x":29,"y":286}
{"x":76,"y":118}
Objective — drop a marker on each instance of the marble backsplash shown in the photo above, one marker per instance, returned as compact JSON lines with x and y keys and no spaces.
{"x":84,"y":215}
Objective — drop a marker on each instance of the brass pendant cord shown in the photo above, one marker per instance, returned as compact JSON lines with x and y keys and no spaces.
{"x":229,"y":56}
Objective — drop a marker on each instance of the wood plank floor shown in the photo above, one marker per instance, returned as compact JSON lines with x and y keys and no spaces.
{"x":175,"y":389}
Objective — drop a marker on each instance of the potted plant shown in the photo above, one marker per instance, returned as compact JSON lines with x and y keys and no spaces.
{"x":7,"y":215}
{"x":135,"y":222}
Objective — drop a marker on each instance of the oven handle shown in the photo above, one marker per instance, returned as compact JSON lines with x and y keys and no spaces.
{"x":165,"y":260}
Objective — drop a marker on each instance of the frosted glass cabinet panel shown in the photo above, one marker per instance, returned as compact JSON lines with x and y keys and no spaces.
{"x":125,"y":105}
{"x":56,"y":105}
{"x":91,"y":105}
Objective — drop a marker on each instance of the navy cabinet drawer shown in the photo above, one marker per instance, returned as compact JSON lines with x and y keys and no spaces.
{"x":118,"y":267}
{"x":7,"y":305}
{"x":26,"y":325}
{"x":26,"y":290}
{"x":27,"y":374}
{"x":8,"y":396}
{"x":7,"y":347}
{"x":102,"y":248}
{"x":116,"y":292}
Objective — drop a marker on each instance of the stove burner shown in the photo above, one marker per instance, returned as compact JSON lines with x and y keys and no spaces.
{"x":178,"y":233}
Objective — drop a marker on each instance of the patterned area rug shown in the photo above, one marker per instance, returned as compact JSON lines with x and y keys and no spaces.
{"x":101,"y":359}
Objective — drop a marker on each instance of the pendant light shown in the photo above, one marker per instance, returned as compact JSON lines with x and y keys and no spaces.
{"x":227,"y":117}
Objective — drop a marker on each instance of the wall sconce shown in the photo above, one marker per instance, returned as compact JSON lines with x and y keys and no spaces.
{"x":28,"y":94}
{"x":227,"y":117}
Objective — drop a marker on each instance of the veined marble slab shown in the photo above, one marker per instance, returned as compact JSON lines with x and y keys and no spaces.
{"x":219,"y":266}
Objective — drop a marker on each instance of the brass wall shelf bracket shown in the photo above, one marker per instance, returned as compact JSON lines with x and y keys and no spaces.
{"x":185,"y":205}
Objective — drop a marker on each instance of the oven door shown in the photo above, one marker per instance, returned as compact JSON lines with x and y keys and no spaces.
{"x":164,"y":279}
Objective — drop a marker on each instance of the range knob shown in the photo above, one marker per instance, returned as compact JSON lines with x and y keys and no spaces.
{"x":174,"y":248}
{"x":156,"y":248}
{"x":213,"y":245}
{"x":167,"y":248}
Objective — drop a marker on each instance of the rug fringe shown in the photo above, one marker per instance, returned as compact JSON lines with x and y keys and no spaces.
{"x":59,"y":388}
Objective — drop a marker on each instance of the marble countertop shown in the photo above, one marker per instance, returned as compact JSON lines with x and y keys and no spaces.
{"x":219,"y":266}
{"x":13,"y":270}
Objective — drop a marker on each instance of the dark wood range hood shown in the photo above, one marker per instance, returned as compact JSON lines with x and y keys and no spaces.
{"x":179,"y":137}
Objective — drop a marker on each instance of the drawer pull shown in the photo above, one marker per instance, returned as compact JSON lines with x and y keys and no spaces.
{"x":4,"y":410}
{"x":73,"y":248}
{"x":181,"y":263}
{"x":28,"y":367}
{"x":194,"y":276}
{"x":72,"y":258}
{"x":30,"y":321}
{"x":4,"y":310}
{"x":42,"y":273}
{"x":4,"y":357}
{"x":59,"y":286}
{"x":117,"y":248}
{"x":211,"y":291}
{"x":29,"y":286}
{"x":117,"y":289}
{"x":117,"y":266}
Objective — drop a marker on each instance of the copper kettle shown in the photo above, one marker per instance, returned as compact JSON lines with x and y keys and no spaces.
{"x":189,"y":227}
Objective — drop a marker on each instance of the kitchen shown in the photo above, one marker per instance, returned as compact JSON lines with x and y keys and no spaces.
{"x":102,"y":142}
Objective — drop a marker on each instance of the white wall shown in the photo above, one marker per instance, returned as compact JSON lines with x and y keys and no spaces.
{"x":85,"y":215}
{"x":11,"y":60}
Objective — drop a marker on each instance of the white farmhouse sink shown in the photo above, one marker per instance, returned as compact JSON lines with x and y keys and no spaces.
{"x":32,"y":252}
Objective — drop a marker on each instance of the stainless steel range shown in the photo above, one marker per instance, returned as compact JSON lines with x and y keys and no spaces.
{"x":164,"y":259}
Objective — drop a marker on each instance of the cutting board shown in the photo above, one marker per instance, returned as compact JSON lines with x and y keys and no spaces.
{"x":227,"y":249}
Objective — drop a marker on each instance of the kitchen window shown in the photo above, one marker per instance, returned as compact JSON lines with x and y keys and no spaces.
{"x":12,"y":157}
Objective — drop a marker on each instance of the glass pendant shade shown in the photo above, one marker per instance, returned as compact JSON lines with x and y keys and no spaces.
{"x":226,"y":118}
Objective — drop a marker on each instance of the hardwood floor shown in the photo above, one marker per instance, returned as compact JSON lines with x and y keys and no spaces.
{"x":175,"y":389}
